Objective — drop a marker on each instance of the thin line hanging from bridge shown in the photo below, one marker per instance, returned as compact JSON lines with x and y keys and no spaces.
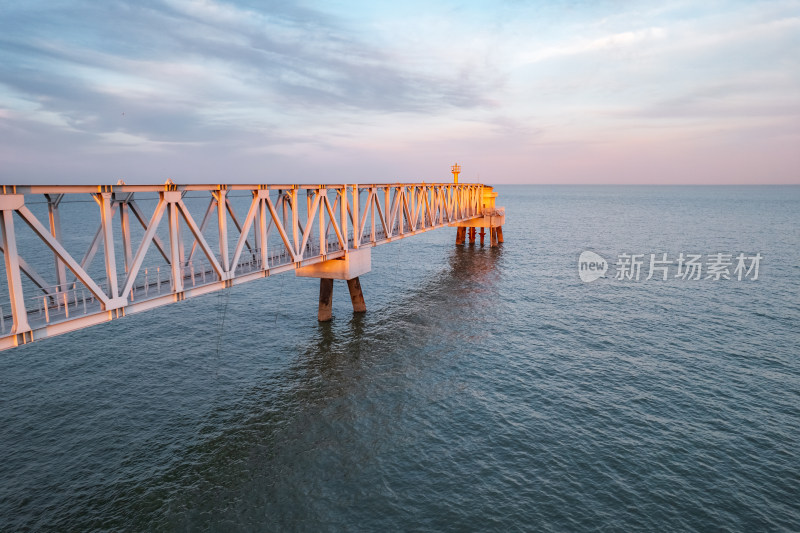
{"x":277,"y":234}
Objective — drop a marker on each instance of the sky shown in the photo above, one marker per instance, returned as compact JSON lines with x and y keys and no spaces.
{"x":572,"y":92}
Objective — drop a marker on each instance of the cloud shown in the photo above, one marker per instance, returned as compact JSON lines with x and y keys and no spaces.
{"x":591,"y":46}
{"x":731,"y":100}
{"x":157,"y":86}
{"x":175,"y":68}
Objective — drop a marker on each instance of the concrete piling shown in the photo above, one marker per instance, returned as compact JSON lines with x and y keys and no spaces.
{"x":325,"y":312}
{"x":356,"y":296}
{"x":461,"y":234}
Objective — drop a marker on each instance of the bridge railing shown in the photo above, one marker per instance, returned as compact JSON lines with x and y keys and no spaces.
{"x":65,"y":259}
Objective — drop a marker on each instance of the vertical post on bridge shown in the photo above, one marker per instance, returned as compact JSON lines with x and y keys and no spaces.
{"x":387,"y":209}
{"x":53,"y":201}
{"x":295,"y":222}
{"x":104,"y":199}
{"x":343,"y":217}
{"x":356,"y":218}
{"x":283,"y":199}
{"x":174,"y":244}
{"x":372,"y":199}
{"x":262,"y":229}
{"x":181,"y":248}
{"x":222,"y":223}
{"x":323,"y":232}
{"x":126,"y":233}
{"x":9,"y":203}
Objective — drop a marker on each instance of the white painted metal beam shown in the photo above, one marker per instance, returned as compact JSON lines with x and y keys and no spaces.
{"x":58,"y":248}
{"x":17,"y":300}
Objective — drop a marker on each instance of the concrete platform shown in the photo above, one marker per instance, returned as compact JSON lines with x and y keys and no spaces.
{"x":353,"y":264}
{"x":492,"y":218}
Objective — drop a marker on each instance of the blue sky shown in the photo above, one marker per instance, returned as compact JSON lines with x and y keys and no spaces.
{"x":517,"y":92}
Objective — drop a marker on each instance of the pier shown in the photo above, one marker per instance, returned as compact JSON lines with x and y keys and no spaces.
{"x":152,"y":258}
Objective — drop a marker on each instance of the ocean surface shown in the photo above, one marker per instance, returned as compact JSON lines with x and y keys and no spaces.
{"x":486,"y":389}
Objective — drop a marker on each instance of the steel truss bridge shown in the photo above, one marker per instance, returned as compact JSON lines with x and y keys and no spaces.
{"x":158,"y":252}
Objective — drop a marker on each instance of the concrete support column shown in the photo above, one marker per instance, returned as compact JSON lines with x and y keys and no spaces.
{"x":483,"y":234}
{"x":325,"y":312}
{"x":493,"y":237}
{"x":500,"y":233}
{"x":354,"y":263}
{"x":461,"y":234}
{"x":356,"y":296}
{"x":472,"y":235}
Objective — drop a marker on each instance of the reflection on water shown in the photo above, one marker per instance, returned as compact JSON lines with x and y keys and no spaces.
{"x":314,"y":420}
{"x":305,"y":419}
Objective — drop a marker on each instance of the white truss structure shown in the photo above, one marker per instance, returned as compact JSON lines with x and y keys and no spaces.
{"x":285,"y":227}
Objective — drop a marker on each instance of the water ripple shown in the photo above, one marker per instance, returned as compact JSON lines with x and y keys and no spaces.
{"x":486,"y":389}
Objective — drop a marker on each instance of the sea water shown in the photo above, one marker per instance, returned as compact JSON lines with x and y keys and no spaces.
{"x":486,"y":389}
